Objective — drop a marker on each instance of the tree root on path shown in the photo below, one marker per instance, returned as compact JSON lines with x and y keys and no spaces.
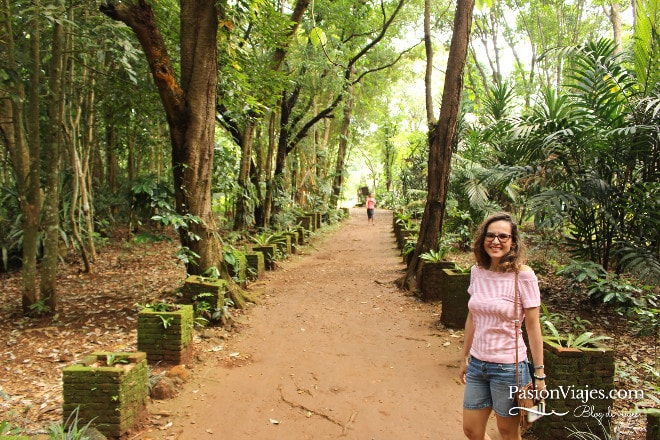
{"x":344,"y":426}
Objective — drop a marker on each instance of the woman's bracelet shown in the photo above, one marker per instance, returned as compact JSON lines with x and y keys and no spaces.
{"x":540,"y":377}
{"x":539,"y":367}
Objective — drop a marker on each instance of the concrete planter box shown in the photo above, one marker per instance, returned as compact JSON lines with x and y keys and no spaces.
{"x":284,"y":244}
{"x":302,"y":235}
{"x":238,"y":271}
{"x":270,"y":252}
{"x":256,"y":264}
{"x":432,"y":278}
{"x":166,"y":336}
{"x":197,"y":288}
{"x":653,"y":424}
{"x":316,"y":219}
{"x":404,"y":235}
{"x":293,"y":235}
{"x":580,"y":370}
{"x":308,"y":222}
{"x":454,"y":295}
{"x":113,"y":397}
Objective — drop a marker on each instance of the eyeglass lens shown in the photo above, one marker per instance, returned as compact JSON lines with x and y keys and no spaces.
{"x":502,"y":237}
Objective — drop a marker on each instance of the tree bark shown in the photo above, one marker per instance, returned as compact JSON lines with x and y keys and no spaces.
{"x":19,"y":153}
{"x":442,"y":137}
{"x":244,"y":216}
{"x":51,"y":214}
{"x":338,"y":181}
{"x":190,"y":109}
{"x":614,"y":15}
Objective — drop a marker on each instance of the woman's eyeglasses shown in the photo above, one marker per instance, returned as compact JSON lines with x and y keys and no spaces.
{"x":490,"y":236}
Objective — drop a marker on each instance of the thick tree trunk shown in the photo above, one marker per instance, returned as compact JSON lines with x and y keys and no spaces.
{"x":442,"y":138}
{"x":190,"y":109}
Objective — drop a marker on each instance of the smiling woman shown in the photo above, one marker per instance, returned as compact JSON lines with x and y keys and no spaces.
{"x":503,"y":293}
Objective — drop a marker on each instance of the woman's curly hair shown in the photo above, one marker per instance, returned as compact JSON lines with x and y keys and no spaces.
{"x":514,"y":259}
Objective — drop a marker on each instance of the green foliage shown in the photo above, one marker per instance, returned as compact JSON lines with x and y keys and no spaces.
{"x":162,"y":307}
{"x":605,"y":434}
{"x":433,"y":256}
{"x":6,"y":429}
{"x":150,"y":196}
{"x":266,"y":238}
{"x":70,"y":429}
{"x":410,"y":244}
{"x":205,"y":313}
{"x":458,"y":227}
{"x":187,"y":255}
{"x":570,"y":340}
{"x":40,"y":308}
{"x":159,"y":307}
{"x":580,"y":273}
{"x":614,"y":290}
{"x":645,"y":315}
{"x":113,"y":358}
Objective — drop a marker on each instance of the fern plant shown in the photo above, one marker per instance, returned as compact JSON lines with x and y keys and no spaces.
{"x":266,"y":238}
{"x":570,"y":340}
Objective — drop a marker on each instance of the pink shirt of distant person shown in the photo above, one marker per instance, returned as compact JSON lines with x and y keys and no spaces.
{"x":491,"y":304}
{"x":371,"y":203}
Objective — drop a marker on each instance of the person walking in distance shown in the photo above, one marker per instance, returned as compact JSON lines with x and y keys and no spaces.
{"x":493,"y":330}
{"x":371,"y":206}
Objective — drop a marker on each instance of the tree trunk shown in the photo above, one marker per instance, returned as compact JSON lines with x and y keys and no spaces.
{"x":51,"y":214}
{"x":19,"y":153}
{"x":342,"y":150}
{"x":614,"y":15}
{"x":267,"y":203}
{"x":244,"y":205}
{"x":442,"y":137}
{"x":33,"y":191}
{"x":190,"y":109}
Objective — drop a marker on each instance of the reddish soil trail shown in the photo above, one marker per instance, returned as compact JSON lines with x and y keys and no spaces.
{"x":334,"y":350}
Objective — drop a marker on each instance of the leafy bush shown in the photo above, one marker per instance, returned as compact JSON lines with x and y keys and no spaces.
{"x":582,"y":273}
{"x":615,"y":290}
{"x":571,"y":340}
{"x":433,"y":256}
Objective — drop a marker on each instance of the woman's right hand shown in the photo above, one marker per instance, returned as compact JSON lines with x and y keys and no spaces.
{"x":462,"y":369}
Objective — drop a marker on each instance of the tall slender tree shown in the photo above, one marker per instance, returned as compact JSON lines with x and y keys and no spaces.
{"x":442,"y":138}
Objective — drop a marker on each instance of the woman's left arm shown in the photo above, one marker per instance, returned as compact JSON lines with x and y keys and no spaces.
{"x":533,"y":327}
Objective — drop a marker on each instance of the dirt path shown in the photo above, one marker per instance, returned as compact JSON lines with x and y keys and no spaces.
{"x":334,"y":351}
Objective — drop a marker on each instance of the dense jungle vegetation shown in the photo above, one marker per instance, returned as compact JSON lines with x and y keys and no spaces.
{"x":221,"y":119}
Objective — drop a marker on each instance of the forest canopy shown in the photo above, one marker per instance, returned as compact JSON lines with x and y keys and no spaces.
{"x":220,"y":119}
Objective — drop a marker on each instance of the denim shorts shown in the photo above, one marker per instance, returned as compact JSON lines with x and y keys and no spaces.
{"x":492,"y":385}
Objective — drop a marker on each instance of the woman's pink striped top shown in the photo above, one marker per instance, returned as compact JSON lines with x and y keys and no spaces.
{"x":491,"y":304}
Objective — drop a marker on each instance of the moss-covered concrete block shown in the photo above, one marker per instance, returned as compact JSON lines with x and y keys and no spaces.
{"x":197,"y":288}
{"x":256,"y":264}
{"x":110,"y":390}
{"x":238,"y":270}
{"x":270,"y":253}
{"x":293,"y":238}
{"x":582,"y":379}
{"x":454,"y":295}
{"x":166,"y":336}
{"x":431,"y":282}
{"x":307,"y":222}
